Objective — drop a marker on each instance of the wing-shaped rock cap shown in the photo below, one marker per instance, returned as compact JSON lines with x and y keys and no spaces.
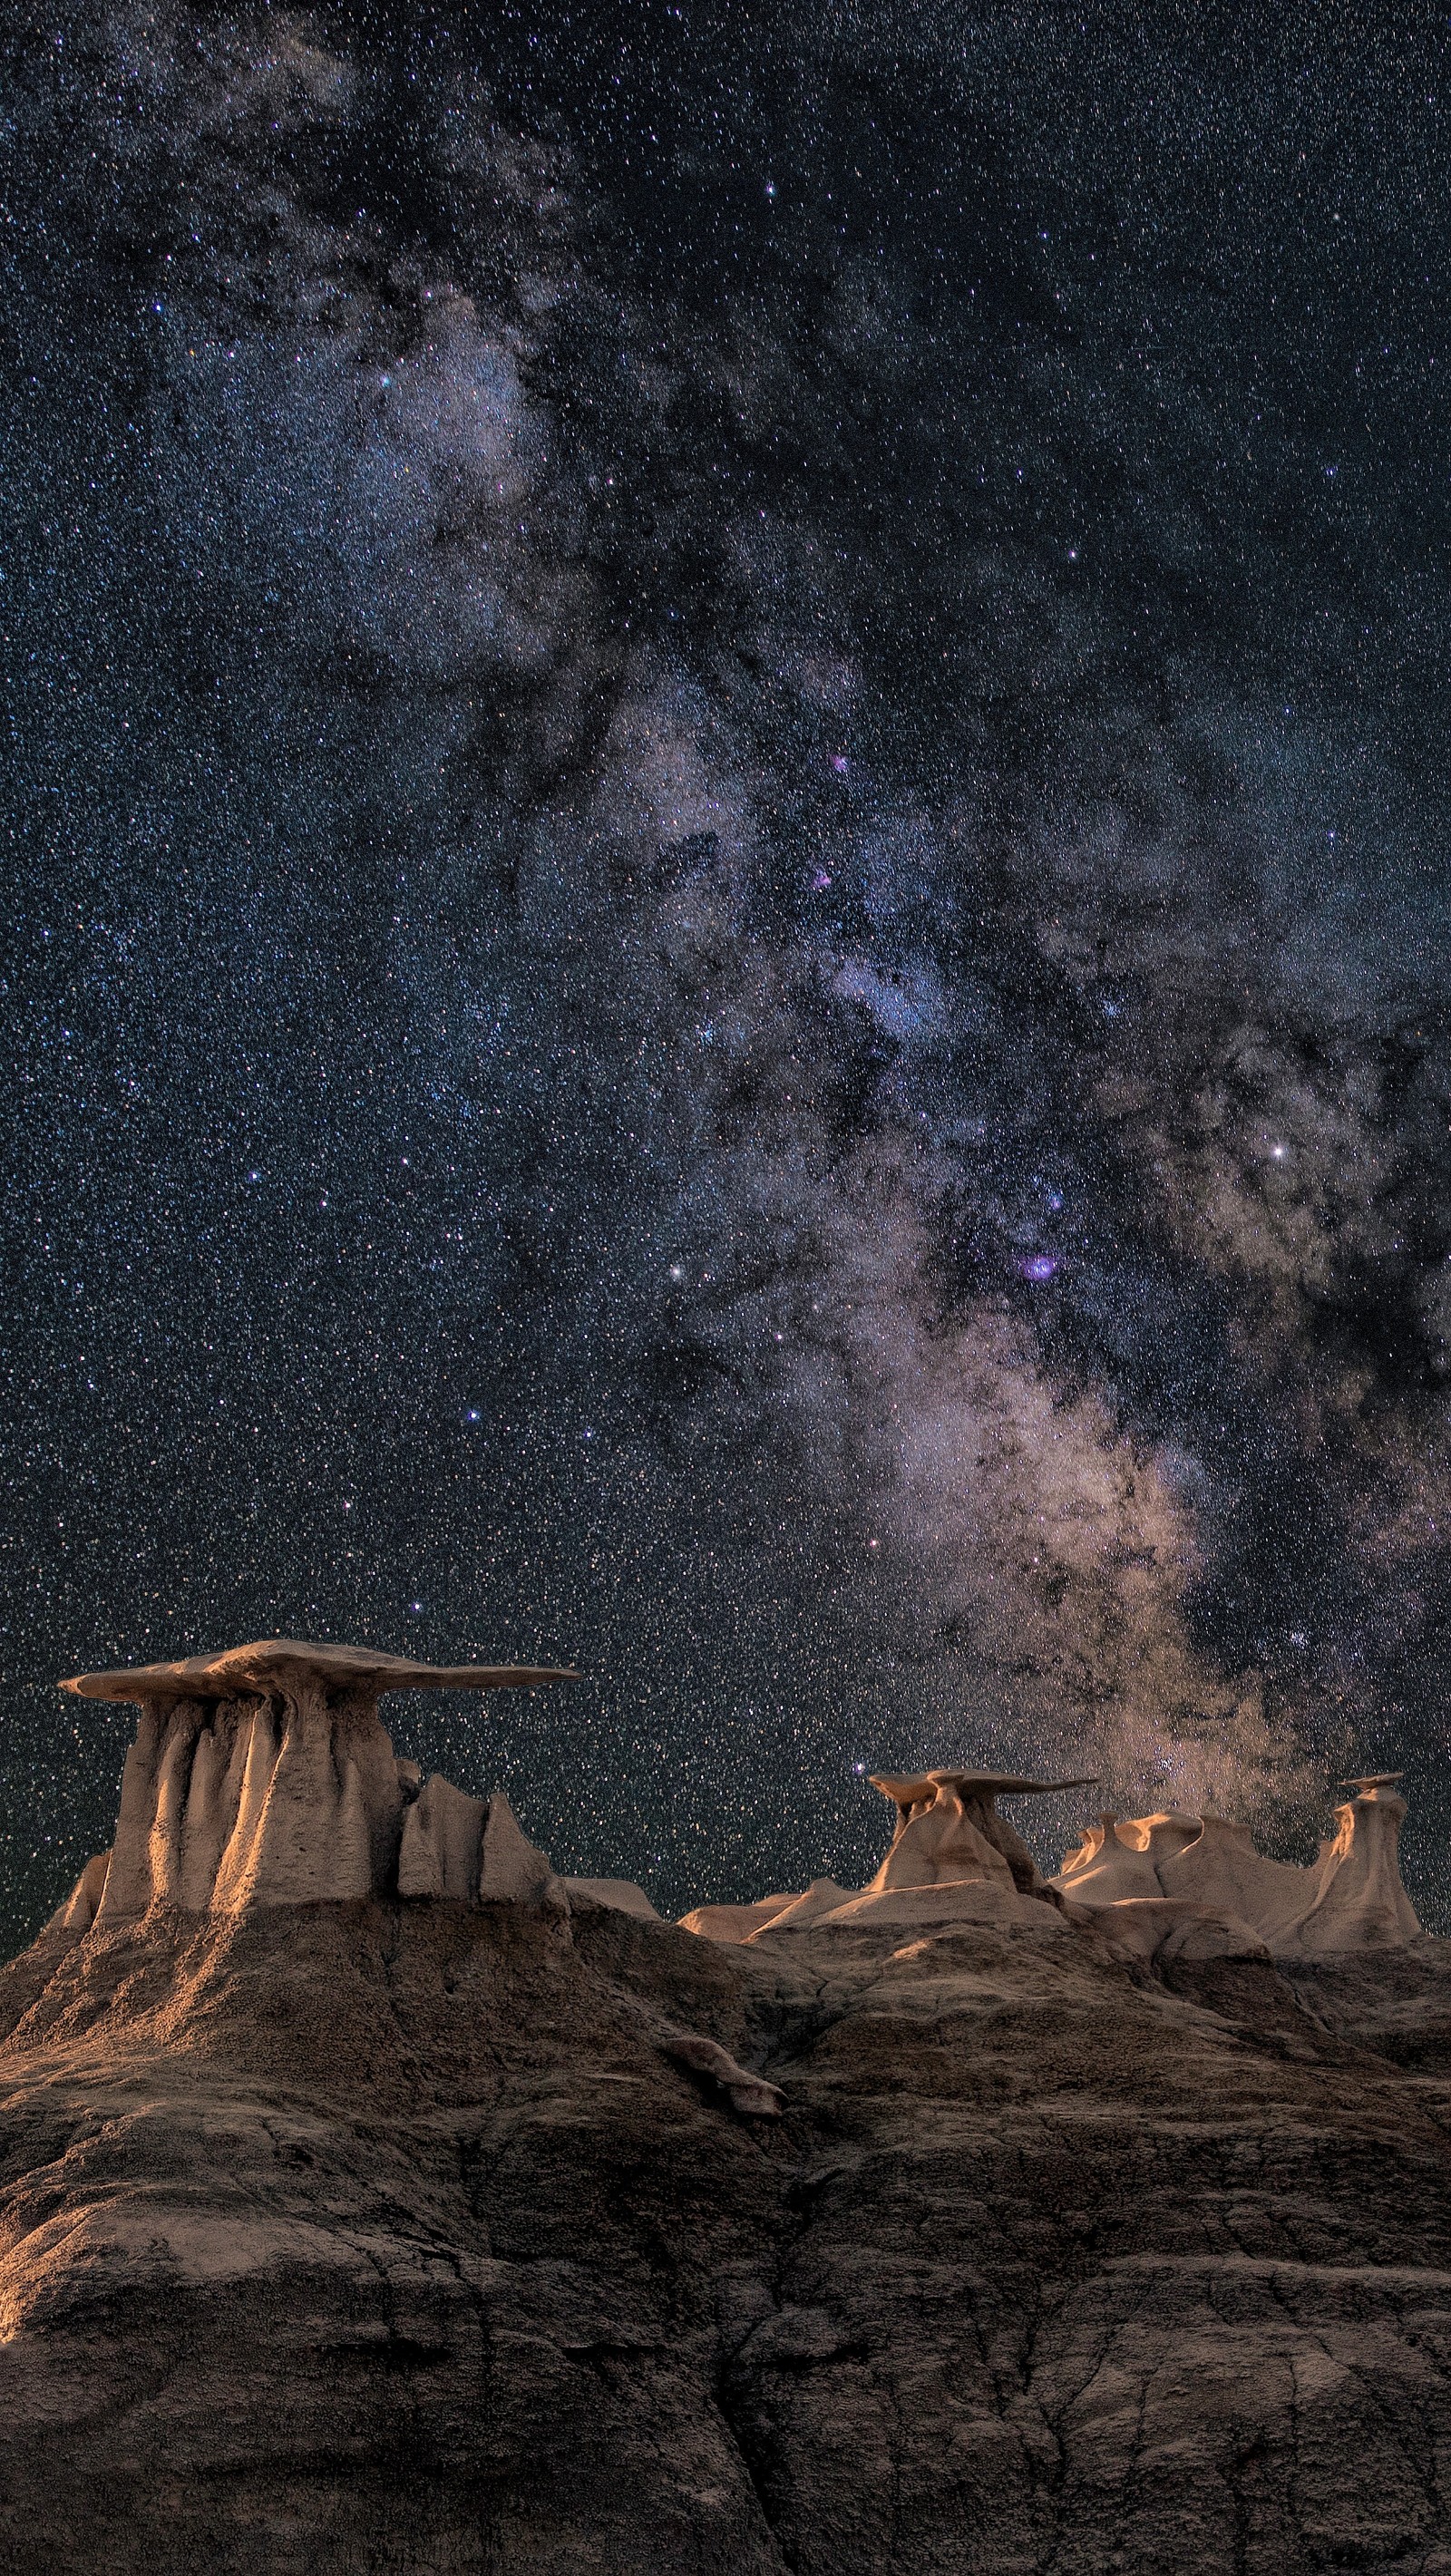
{"x":914,"y":1791}
{"x":275,"y":1662}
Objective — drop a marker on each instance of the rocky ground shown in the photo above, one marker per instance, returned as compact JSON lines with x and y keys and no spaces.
{"x":392,"y":2237}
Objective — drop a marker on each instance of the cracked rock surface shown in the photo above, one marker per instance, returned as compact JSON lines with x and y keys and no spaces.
{"x":398,"y":2237}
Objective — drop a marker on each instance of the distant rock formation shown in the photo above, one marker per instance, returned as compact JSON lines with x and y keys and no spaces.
{"x":1350,"y":1898}
{"x":263,"y":1776}
{"x":948,"y":1829}
{"x":1165,"y":1887}
{"x":952,"y":1858}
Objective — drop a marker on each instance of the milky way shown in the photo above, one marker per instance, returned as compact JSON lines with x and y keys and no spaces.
{"x":728,"y":800}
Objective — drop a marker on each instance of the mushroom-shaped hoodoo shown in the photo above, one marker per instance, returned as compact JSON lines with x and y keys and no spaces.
{"x":262,"y":1775}
{"x":948,"y":1827}
{"x":1351,"y":1896}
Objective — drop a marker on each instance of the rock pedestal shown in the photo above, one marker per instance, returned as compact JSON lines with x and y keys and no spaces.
{"x":948,"y":1828}
{"x":952,"y":1858}
{"x":1360,"y":1902}
{"x":263,"y":1776}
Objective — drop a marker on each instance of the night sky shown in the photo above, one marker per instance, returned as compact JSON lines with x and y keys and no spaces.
{"x":728,"y":916}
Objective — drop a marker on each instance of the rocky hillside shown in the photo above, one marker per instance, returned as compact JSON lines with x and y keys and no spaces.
{"x":394,"y":2237}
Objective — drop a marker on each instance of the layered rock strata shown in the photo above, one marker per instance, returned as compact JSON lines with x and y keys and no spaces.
{"x":435,"y":2239}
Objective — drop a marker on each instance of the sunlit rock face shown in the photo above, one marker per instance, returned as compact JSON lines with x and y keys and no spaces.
{"x":1350,"y":1898}
{"x":263,"y":1776}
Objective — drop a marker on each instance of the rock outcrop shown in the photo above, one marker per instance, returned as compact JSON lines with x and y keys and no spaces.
{"x":475,"y":2222}
{"x":1167,"y":1886}
{"x":263,"y":1776}
{"x":1351,"y":1897}
{"x":949,"y":1829}
{"x":406,"y":2236}
{"x":952,"y":1859}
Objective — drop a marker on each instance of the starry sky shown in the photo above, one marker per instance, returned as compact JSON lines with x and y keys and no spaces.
{"x":728,"y":906}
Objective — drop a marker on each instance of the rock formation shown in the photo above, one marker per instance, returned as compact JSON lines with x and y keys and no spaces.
{"x":1350,"y":1898}
{"x":1163,"y":1887}
{"x":476,"y":2220}
{"x":263,"y":1776}
{"x":408,"y":2235}
{"x":952,"y":1858}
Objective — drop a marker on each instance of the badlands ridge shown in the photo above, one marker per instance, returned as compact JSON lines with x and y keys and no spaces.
{"x":373,"y":2198}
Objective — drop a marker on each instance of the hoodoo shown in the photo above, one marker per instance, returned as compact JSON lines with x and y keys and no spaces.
{"x":948,"y":1828}
{"x":1168,"y":1886}
{"x":952,"y":1858}
{"x":263,"y":1776}
{"x":1351,"y":1897}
